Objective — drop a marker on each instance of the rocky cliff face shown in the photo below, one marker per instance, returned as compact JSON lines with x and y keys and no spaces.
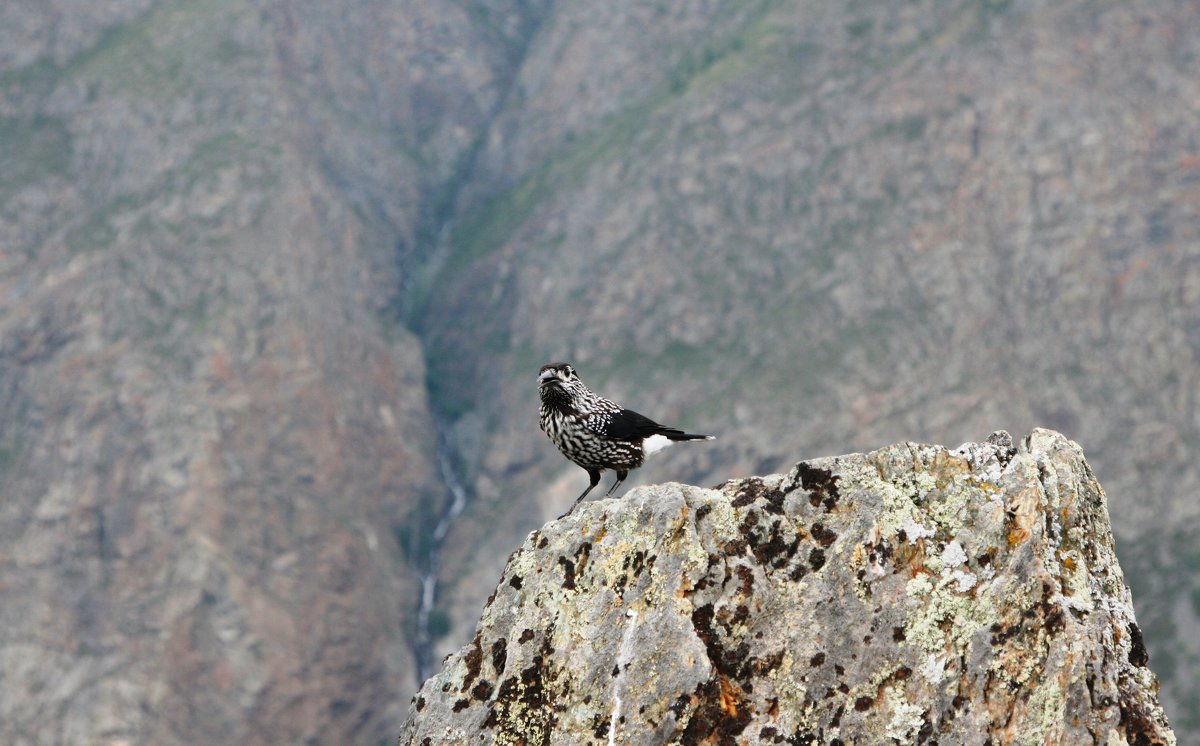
{"x":275,"y":276}
{"x":916,"y":594}
{"x":213,"y":433}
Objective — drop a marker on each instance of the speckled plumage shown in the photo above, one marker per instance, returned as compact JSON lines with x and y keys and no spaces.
{"x":595,"y":433}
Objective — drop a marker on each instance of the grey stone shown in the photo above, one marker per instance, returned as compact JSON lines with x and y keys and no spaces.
{"x":911,"y":594}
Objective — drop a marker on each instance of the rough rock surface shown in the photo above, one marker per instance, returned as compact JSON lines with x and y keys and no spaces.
{"x":915,"y":594}
{"x":236,"y":234}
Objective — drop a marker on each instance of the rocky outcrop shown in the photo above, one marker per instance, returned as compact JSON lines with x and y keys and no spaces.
{"x":915,"y":594}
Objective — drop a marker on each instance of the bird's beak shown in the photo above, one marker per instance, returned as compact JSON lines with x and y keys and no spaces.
{"x":546,"y":376}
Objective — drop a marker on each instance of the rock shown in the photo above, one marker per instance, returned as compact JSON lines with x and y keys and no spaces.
{"x":913,"y":594}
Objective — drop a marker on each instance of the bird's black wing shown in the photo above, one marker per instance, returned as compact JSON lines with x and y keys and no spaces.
{"x":626,"y":424}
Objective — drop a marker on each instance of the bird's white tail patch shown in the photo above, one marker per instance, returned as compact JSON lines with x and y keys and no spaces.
{"x":655,"y":443}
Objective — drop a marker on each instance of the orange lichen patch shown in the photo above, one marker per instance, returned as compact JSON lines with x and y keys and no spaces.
{"x":946,"y":466}
{"x":911,"y":554}
{"x":1025,"y":511}
{"x":731,"y":696}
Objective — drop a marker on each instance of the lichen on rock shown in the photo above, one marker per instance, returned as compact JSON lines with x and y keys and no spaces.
{"x":909,"y":595}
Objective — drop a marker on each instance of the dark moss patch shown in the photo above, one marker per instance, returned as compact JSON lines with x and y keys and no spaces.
{"x":898,"y":634}
{"x":749,"y":490}
{"x":822,"y":535}
{"x":820,"y":484}
{"x":817,"y":660}
{"x":515,"y":582}
{"x":773,"y":544}
{"x":1138,"y":724}
{"x":633,"y":566}
{"x":740,"y":615}
{"x":1056,"y":620}
{"x":526,"y":636}
{"x":473,"y":660}
{"x":720,"y":714}
{"x":732,"y":662}
{"x":755,"y":490}
{"x":499,"y":655}
{"x":1138,"y":655}
{"x":680,"y":705}
{"x":635,"y":563}
{"x":746,"y":575}
{"x":816,"y":558}
{"x":836,"y":720}
{"x":862,"y":704}
{"x":482,"y":690}
{"x":926,"y":728}
{"x":420,"y":703}
{"x":702,"y":512}
{"x":582,"y":554}
{"x":600,"y":726}
{"x":460,"y":705}
{"x":568,"y":573}
{"x":523,"y":710}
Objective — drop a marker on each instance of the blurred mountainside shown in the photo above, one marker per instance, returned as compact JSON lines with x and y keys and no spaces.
{"x":276,"y":277}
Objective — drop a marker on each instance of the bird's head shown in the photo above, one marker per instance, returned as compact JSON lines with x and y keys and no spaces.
{"x":559,"y":381}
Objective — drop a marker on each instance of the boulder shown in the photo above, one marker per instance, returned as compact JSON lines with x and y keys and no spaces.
{"x":916,"y":594}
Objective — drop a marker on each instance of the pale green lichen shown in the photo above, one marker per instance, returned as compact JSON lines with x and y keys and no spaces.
{"x":1045,"y":710}
{"x":952,"y":510}
{"x":906,"y":721}
{"x":1078,"y":585}
{"x":946,"y":616}
{"x":898,"y":504}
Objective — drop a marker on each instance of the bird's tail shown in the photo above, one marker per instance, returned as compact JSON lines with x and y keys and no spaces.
{"x":678,"y":435}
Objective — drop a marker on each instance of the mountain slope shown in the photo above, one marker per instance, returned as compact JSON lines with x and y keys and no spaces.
{"x":213,"y":431}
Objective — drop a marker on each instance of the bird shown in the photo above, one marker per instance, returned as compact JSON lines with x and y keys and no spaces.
{"x":595,"y":433}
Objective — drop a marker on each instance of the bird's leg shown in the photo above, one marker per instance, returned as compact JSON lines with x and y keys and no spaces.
{"x":594,"y":475}
{"x":621,"y":474}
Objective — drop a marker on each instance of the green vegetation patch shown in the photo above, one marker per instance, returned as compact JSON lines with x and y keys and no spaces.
{"x":31,"y":149}
{"x":161,"y":53}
